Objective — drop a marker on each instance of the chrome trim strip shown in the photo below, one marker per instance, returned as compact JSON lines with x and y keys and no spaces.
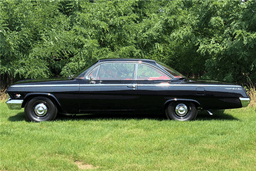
{"x":157,"y":85}
{"x":101,"y":85}
{"x":244,"y":101}
{"x":233,"y":88}
{"x":163,"y":85}
{"x":14,"y":104}
{"x":47,"y":85}
{"x":189,"y":85}
{"x":149,"y":85}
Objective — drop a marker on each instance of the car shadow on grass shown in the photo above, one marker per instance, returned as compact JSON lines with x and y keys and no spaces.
{"x":202,"y":115}
{"x":116,"y":116}
{"x":217,"y":115}
{"x":19,"y":117}
{"x":111,"y":116}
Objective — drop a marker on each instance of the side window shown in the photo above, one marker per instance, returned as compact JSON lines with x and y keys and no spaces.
{"x":116,"y":71}
{"x":146,"y":72}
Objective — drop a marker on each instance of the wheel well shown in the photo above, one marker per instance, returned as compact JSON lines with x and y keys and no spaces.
{"x":194,"y":102}
{"x":27,"y":99}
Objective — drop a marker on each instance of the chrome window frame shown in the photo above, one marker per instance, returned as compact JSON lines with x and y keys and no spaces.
{"x":136,"y":63}
{"x":99,"y":64}
{"x":136,"y":70}
{"x":97,"y":67}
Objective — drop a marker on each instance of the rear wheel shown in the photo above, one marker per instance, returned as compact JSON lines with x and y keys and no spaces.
{"x":40,"y":109}
{"x":181,"y":111}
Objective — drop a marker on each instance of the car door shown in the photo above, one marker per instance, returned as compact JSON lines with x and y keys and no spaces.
{"x":110,"y":86}
{"x":153,"y":87}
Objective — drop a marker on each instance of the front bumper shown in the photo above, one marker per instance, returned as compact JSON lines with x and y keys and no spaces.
{"x":244,"y":101}
{"x":14,"y":104}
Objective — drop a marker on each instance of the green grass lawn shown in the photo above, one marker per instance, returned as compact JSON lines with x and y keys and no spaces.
{"x":224,"y":141}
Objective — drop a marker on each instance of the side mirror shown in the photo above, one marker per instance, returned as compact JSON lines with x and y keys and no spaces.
{"x":88,"y":78}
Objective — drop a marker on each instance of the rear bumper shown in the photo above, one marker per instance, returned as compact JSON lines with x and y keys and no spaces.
{"x":14,"y":104}
{"x":244,"y":101}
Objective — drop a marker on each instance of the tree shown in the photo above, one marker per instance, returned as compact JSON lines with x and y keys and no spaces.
{"x":40,"y":39}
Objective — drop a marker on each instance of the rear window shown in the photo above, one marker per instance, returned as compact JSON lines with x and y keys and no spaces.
{"x":172,"y":71}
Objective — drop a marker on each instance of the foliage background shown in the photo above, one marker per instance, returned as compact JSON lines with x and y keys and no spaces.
{"x":215,"y":39}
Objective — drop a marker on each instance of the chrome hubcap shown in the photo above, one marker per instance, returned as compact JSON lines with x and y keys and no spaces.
{"x":181,"y":109}
{"x":40,"y":109}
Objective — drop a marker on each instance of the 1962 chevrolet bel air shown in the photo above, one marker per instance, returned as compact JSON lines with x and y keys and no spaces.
{"x":124,"y":85}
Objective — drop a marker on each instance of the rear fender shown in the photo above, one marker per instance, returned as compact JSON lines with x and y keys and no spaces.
{"x":181,"y":100}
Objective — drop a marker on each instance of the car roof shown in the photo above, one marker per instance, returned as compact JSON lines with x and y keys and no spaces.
{"x":127,"y":59}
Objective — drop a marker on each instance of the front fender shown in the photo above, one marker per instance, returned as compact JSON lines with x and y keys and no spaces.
{"x":31,"y":95}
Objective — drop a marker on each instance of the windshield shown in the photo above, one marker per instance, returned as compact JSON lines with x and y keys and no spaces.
{"x":172,"y":71}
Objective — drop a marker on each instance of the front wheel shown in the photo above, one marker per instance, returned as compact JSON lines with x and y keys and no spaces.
{"x":181,"y":111}
{"x":40,"y":109}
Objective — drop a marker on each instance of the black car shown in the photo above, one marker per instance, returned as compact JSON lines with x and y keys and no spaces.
{"x":124,"y":85}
